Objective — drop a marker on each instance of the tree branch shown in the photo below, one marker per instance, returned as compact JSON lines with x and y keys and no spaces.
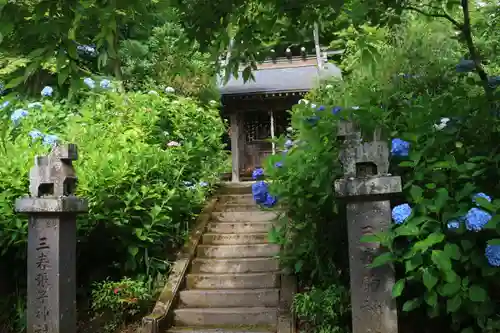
{"x":457,"y":24}
{"x":466,"y":30}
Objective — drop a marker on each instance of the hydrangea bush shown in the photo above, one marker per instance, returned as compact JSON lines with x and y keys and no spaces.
{"x":136,"y":183}
{"x":445,"y":238}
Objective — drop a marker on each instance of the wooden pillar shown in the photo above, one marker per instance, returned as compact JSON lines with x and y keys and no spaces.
{"x":235,"y":146}
{"x":242,"y":140}
{"x":271,"y":113}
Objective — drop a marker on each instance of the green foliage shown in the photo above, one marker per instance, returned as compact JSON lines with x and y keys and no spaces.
{"x":167,"y":58}
{"x":408,"y":88}
{"x":140,"y":206}
{"x":119,"y":301}
{"x":324,"y":310}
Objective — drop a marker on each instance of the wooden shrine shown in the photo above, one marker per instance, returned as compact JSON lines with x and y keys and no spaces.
{"x":258,"y":109}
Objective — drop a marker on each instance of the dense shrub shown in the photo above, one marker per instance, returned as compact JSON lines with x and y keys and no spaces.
{"x":146,"y":164}
{"x":445,"y":251}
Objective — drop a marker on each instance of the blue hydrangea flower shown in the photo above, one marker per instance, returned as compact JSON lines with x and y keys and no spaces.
{"x":453,"y":224}
{"x":401,"y":213}
{"x":35,"y":134}
{"x":89,"y":82}
{"x":4,"y":104}
{"x":169,"y":90}
{"x":259,"y":172}
{"x":187,"y":183}
{"x":476,"y":219}
{"x":105,"y":84}
{"x":203,"y":184}
{"x":285,"y":151}
{"x":400,"y":147}
{"x":153,"y":92}
{"x":278,"y":164}
{"x":17,"y":115}
{"x":259,"y":191}
{"x":270,"y":201}
{"x":288,"y":144}
{"x":312,"y":120}
{"x":492,"y":254}
{"x":35,"y":105}
{"x":50,"y":139}
{"x":480,"y":195}
{"x":321,"y":108}
{"x":47,"y":91}
{"x":336,"y":110}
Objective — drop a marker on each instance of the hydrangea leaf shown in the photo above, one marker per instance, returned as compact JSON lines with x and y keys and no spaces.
{"x":453,"y":304}
{"x":441,"y":259}
{"x":398,"y":288}
{"x":412,"y":304}
{"x":450,"y":289}
{"x":477,"y":293}
{"x":429,"y":278}
{"x":382,"y":259}
{"x":431,"y":240}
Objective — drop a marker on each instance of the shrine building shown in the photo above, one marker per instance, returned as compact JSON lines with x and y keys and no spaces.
{"x":257,"y":110}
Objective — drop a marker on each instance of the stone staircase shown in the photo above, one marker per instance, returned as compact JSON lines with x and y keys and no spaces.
{"x":233,"y":284}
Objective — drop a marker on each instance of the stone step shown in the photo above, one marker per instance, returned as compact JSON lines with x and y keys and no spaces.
{"x":236,"y":188}
{"x":233,"y":281}
{"x":235,"y":239}
{"x":239,"y":227}
{"x":245,"y":199}
{"x":237,"y":251}
{"x":248,"y":216}
{"x":236,"y":208}
{"x":225,"y":316}
{"x":239,"y":265}
{"x":229,"y":298}
{"x":237,"y":329}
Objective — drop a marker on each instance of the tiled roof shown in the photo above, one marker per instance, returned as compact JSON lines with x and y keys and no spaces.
{"x":276,"y":80}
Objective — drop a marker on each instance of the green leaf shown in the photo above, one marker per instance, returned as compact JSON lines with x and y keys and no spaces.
{"x":369,"y":239}
{"x":62,"y":76}
{"x":414,"y":262}
{"x":431,"y":298}
{"x":495,"y":241}
{"x":453,"y":304}
{"x":452,"y":251}
{"x":382,"y":259}
{"x":467,"y":330}
{"x":133,"y":250}
{"x":432,"y":239}
{"x":467,"y":244}
{"x":407,"y":229}
{"x":398,"y":288}
{"x":429,"y":278}
{"x":15,"y":82}
{"x":441,"y":199}
{"x":416,"y":193}
{"x":477,"y":293}
{"x":450,"y":289}
{"x":298,"y":266}
{"x":412,"y":304}
{"x":441,"y":260}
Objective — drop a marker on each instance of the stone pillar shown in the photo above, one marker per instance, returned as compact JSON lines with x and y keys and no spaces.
{"x":52,"y":208}
{"x":235,"y":146}
{"x":366,"y":187}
